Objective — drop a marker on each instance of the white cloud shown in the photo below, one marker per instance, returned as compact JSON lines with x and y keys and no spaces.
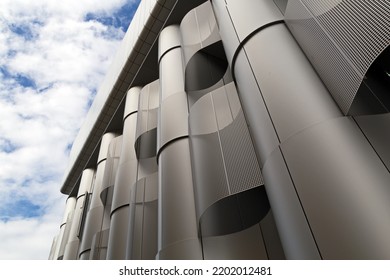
{"x":52,"y":61}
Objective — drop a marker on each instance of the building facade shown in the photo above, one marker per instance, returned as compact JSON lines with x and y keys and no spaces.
{"x":227,"y":129}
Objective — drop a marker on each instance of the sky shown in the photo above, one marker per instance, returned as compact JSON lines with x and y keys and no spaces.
{"x":53,"y":57}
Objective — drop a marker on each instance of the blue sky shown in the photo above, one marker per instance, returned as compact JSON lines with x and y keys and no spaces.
{"x":53,"y":56}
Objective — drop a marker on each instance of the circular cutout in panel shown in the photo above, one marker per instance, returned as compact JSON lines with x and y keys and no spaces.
{"x":235,"y":213}
{"x":206,"y":68}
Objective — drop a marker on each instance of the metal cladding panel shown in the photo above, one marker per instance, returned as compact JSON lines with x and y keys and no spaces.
{"x":84,"y":189}
{"x":295,"y":233}
{"x":148,"y":107}
{"x":183,"y":250}
{"x":261,"y":126}
{"x":198,"y":30}
{"x":226,"y":29}
{"x":169,"y":38}
{"x":132,"y":100}
{"x":126,"y":176}
{"x":70,"y":205}
{"x":143,"y":215}
{"x":361,"y":29}
{"x":271,"y":238}
{"x":177,"y":217}
{"x":294,"y":95}
{"x":87,"y":178}
{"x":224,"y":166}
{"x":376,"y":129}
{"x":113,"y":157}
{"x":118,"y":234}
{"x":99,"y":245}
{"x":171,"y":73}
{"x":105,"y":143}
{"x":251,"y":15}
{"x":71,"y":250}
{"x":173,"y":114}
{"x":173,"y":121}
{"x":97,"y":185}
{"x":243,"y":245}
{"x":344,"y":190}
{"x":92,"y":226}
{"x":341,"y":39}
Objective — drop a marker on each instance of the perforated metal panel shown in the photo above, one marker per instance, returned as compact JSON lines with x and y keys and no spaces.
{"x":341,"y":39}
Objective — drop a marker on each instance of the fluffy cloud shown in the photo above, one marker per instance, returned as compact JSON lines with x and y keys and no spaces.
{"x":53,"y":56}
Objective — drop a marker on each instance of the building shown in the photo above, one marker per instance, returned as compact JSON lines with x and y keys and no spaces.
{"x":226,"y":129}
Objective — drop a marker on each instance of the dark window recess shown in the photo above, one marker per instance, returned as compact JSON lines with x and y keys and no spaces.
{"x":373,"y":95}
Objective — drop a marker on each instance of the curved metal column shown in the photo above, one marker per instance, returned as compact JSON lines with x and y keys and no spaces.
{"x":63,"y":236}
{"x":126,"y":177}
{"x":95,"y":213}
{"x":230,"y":197}
{"x":142,"y":235}
{"x":84,"y":191}
{"x":100,"y":239}
{"x":177,"y":231}
{"x":317,"y":164}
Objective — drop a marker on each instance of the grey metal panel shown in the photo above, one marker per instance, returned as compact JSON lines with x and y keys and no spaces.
{"x":183,"y":250}
{"x":173,"y":121}
{"x":224,"y":164}
{"x":250,"y":15}
{"x":271,"y":237}
{"x":92,"y":226}
{"x":376,"y":129}
{"x":282,"y":4}
{"x":143,"y":214}
{"x":243,"y":245}
{"x":169,"y":38}
{"x":125,"y":177}
{"x":177,"y":217}
{"x":173,"y":112}
{"x":294,"y":95}
{"x":341,"y":39}
{"x":95,"y":216}
{"x":65,"y":227}
{"x":198,"y":29}
{"x":257,"y":116}
{"x":99,"y":245}
{"x":295,"y":233}
{"x":226,"y":29}
{"x":344,"y":188}
{"x":359,"y":29}
{"x":113,"y":157}
{"x":105,"y":143}
{"x":171,"y":73}
{"x":71,"y":248}
{"x":148,"y":106}
{"x":118,"y":234}
{"x":131,"y":105}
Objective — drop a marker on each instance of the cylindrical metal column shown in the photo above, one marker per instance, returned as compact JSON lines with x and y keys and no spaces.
{"x":177,"y":231}
{"x":125,"y":178}
{"x":84,"y":191}
{"x":142,"y":236}
{"x":316,"y":163}
{"x":65,"y":228}
{"x":95,"y":213}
